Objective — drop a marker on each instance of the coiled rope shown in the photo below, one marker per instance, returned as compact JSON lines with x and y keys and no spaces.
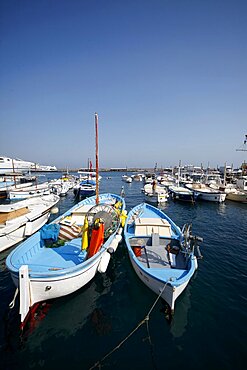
{"x":144,"y":321}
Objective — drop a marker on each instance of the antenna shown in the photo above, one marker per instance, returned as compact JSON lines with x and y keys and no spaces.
{"x":243,"y":148}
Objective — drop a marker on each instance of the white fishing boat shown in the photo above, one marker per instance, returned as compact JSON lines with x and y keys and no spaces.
{"x":65,"y":255}
{"x":204,"y":192}
{"x":162,"y":255}
{"x":21,"y":219}
{"x":6,"y":186}
{"x":155,"y":193}
{"x":60,"y":186}
{"x":29,"y":191}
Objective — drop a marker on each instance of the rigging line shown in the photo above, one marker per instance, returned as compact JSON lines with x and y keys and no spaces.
{"x":151,"y":309}
{"x":145,"y":320}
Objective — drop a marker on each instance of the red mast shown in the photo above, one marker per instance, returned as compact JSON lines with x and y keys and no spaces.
{"x":96,"y":158}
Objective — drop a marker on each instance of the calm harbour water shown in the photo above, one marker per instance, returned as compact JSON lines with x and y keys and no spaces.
{"x":209,"y":328}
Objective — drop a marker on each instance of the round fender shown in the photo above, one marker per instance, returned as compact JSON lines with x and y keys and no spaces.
{"x":104,"y":262}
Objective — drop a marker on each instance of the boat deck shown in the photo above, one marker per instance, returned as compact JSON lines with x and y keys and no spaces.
{"x":155,"y":255}
{"x":59,"y":258}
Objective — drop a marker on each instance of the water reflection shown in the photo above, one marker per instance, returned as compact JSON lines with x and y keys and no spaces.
{"x":180,"y":320}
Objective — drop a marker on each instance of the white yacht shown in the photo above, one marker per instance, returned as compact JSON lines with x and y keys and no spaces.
{"x":8,"y":165}
{"x":14,"y":165}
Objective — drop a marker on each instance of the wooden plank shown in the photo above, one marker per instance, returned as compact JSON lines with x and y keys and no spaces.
{"x":6,"y":216}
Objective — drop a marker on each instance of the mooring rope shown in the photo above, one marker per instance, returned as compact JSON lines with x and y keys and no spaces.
{"x":12,"y":303}
{"x":145,"y":320}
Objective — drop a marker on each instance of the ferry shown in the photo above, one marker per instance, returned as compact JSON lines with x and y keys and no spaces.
{"x":14,"y":164}
{"x":8,"y":165}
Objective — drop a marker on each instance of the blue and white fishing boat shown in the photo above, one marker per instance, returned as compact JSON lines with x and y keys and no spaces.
{"x":86,"y":188}
{"x":66,"y":254}
{"x":161,"y":254}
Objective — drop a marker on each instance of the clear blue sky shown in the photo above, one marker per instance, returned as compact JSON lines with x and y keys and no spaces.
{"x":168,"y":79}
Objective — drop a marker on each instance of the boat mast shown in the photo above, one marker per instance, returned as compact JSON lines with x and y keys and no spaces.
{"x":13,"y":167}
{"x":243,"y":148}
{"x":179,"y":169}
{"x":96,"y":158}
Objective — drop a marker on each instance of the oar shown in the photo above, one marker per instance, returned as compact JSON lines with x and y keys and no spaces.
{"x":145,"y":251}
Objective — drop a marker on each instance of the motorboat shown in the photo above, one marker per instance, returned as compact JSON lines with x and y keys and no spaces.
{"x":204,"y":192}
{"x":181,"y":193}
{"x":155,"y":193}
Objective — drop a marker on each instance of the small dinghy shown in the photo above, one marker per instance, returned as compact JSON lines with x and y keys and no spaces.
{"x":161,"y":254}
{"x":66,"y":254}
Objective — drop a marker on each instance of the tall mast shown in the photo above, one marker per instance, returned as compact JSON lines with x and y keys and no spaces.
{"x":13,"y":166}
{"x":96,"y":158}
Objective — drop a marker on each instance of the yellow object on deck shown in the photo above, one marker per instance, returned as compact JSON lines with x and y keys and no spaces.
{"x":84,"y":239}
{"x":123,"y":217}
{"x":118,"y":205}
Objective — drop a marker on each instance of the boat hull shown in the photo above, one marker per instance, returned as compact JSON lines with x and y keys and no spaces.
{"x":43,"y":289}
{"x":27,"y":194}
{"x":87,"y":193}
{"x":170,"y":293}
{"x":209,"y":197}
{"x":182,"y":196}
{"x":237,"y":197}
{"x":206,"y":194}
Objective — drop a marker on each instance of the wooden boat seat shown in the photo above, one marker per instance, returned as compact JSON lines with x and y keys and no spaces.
{"x":77,"y":216}
{"x":148,"y":226}
{"x":155,"y":239}
{"x":12,"y":213}
{"x":83,"y":210}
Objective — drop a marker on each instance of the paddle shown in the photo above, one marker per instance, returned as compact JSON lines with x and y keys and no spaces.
{"x":145,"y":251}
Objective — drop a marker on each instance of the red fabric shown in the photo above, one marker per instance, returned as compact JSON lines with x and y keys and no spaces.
{"x":97,"y":240}
{"x":137,"y":251}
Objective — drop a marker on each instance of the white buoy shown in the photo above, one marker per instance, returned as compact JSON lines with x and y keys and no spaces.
{"x":110,"y":250}
{"x":54,"y":210}
{"x":104,"y":263}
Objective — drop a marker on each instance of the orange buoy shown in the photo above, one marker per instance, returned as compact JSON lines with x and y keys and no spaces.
{"x":97,"y":239}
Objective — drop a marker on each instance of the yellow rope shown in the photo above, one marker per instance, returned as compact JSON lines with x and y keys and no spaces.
{"x":145,"y":320}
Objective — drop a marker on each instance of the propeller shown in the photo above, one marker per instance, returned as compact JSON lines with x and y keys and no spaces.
{"x":189,"y":241}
